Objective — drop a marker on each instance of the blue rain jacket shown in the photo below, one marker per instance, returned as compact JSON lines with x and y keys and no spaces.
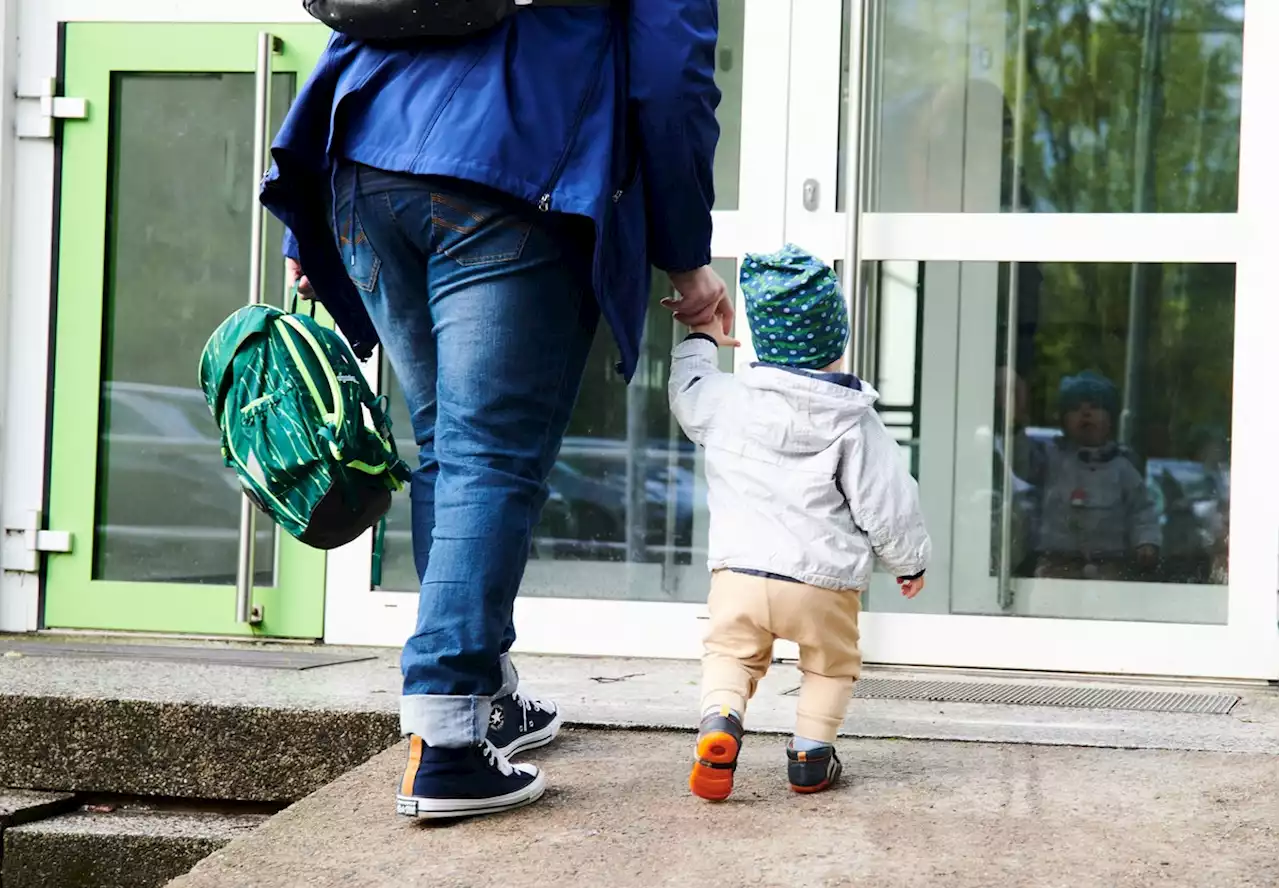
{"x":607,"y":113}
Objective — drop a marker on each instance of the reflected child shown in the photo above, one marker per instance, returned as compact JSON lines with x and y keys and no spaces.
{"x":1096,"y":515}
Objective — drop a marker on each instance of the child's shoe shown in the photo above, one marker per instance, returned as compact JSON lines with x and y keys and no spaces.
{"x":719,"y":741}
{"x":812,"y":770}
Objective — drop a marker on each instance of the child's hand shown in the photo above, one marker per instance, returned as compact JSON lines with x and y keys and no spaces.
{"x":718,"y":330}
{"x":911,"y":588}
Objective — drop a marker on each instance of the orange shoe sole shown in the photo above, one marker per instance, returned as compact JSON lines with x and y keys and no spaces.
{"x":712,"y":774}
{"x":804,"y":790}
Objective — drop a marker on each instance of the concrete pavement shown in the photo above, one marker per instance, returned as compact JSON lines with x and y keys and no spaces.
{"x":910,"y":814}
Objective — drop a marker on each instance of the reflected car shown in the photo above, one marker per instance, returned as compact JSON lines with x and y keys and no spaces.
{"x":168,"y":509}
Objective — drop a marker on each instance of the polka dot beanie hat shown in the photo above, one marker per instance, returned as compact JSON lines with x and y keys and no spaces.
{"x":795,"y":308}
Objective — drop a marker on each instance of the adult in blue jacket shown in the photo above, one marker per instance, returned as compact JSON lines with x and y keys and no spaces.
{"x":474,"y":206}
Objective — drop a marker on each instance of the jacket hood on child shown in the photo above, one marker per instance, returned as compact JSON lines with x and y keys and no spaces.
{"x":812,"y":409}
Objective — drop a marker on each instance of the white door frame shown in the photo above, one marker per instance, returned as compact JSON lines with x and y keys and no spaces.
{"x":357,"y":614}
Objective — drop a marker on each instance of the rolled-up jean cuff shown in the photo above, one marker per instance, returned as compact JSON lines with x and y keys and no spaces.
{"x":448,"y":722}
{"x":510,"y":679}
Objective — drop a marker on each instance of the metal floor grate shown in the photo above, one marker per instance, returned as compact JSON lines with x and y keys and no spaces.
{"x":204,"y":656}
{"x":1044,"y":695}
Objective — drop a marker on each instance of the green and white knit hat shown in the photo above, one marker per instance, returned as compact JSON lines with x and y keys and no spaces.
{"x":795,"y":308}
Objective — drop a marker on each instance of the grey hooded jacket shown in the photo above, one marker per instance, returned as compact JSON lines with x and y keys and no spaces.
{"x":803,"y":479}
{"x":1095,"y":503}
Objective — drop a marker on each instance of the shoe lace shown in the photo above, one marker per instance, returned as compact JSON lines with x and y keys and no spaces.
{"x":528,"y":704}
{"x":497,"y":760}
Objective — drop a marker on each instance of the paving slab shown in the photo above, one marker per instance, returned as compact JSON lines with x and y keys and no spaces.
{"x":910,"y":813}
{"x":127,"y":848}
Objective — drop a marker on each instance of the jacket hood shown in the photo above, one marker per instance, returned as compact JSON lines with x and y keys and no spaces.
{"x":813,"y":410}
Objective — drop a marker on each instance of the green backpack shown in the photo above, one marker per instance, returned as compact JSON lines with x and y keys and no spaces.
{"x":310,"y":442}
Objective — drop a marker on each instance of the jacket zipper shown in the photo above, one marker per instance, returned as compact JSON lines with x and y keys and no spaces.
{"x":544,"y":202}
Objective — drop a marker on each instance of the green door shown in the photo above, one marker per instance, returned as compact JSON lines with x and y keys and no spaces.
{"x":157,"y":195}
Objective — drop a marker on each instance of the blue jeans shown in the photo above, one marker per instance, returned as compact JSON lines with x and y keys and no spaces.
{"x":485,"y":309}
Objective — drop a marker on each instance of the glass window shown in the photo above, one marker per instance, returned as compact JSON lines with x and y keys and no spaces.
{"x":728,"y":163}
{"x":178,"y":264}
{"x":626,"y":516}
{"x":1119,"y":473}
{"x":1111,"y":106}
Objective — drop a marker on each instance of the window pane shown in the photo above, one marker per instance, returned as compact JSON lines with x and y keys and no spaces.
{"x":728,"y":161}
{"x":626,"y":516}
{"x":178,"y":264}
{"x":1120,"y":458}
{"x":1111,"y":106}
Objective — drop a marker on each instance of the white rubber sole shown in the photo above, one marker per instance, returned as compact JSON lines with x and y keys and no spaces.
{"x":533,"y":740}
{"x":445,"y":809}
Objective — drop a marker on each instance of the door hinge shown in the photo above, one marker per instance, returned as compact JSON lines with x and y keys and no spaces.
{"x":52,"y":107}
{"x":24,"y":545}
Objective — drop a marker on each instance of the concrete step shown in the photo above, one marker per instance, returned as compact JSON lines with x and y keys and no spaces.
{"x":125,"y":847}
{"x":217,"y":730}
{"x":198,"y":750}
{"x":19,"y":806}
{"x":187,"y":729}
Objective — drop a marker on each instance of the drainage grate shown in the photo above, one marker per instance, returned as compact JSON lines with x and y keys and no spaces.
{"x":1043,"y":695}
{"x":203,"y":656}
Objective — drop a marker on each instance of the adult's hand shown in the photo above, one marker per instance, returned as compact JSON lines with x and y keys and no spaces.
{"x":293,"y":272}
{"x":703,"y":298}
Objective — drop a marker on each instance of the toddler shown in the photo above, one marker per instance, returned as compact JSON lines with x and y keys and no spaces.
{"x":805,"y":488}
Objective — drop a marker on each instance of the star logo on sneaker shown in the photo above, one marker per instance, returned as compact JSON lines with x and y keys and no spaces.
{"x":496,"y":718}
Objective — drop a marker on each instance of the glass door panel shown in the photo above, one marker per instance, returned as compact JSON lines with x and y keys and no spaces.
{"x":626,"y":517}
{"x":157,"y":194}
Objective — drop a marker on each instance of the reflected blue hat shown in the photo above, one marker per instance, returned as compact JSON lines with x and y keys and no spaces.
{"x":1088,"y":386}
{"x":795,"y":308}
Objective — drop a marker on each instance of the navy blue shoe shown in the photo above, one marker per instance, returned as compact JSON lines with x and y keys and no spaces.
{"x":443,"y":783}
{"x":813,"y":770}
{"x":518,"y":723}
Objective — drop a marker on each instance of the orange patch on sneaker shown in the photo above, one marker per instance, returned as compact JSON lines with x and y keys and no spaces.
{"x":411,"y":771}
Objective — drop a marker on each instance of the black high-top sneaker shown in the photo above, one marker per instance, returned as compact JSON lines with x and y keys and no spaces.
{"x":812,"y":770}
{"x":442,"y":783}
{"x":719,"y":741}
{"x":518,"y":723}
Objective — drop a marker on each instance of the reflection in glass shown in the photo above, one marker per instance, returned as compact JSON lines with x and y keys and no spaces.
{"x":1122,"y":404}
{"x":178,"y":264}
{"x":1119,"y":490}
{"x":1114,"y":106}
{"x":628,"y":489}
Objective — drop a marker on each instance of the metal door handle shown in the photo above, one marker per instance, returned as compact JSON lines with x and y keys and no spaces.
{"x":268,"y":44}
{"x":810,"y":195}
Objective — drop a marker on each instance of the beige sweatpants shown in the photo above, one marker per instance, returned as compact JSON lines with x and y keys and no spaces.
{"x":748,"y":613}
